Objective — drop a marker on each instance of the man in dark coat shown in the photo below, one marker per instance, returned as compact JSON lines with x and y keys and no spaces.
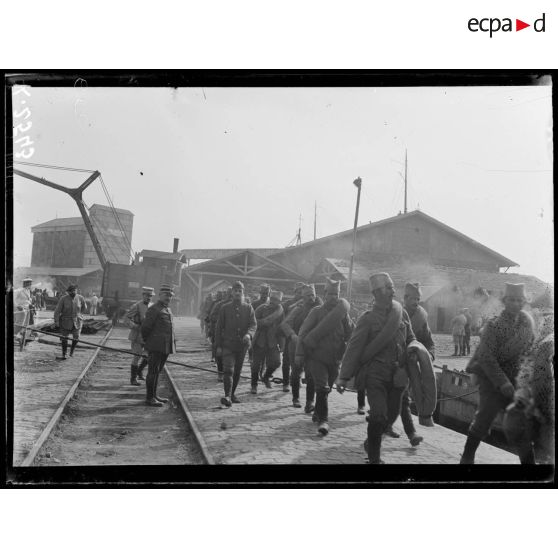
{"x":377,"y":356}
{"x":157,"y":330}
{"x":268,"y":339}
{"x":495,"y":364}
{"x":68,"y":316}
{"x":290,"y":327}
{"x":235,"y":329}
{"x":321,"y":343}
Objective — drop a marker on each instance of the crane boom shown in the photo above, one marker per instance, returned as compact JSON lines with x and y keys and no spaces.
{"x":76,"y":194}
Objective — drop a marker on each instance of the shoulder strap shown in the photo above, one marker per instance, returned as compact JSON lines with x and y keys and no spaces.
{"x":387,"y":333}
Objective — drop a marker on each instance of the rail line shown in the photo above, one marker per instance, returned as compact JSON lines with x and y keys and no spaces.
{"x":45,"y":434}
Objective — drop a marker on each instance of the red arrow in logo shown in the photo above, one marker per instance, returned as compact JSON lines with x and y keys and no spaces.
{"x":519,"y":25}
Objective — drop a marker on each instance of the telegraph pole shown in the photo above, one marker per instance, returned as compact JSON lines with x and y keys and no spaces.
{"x":357,"y":182}
{"x":315,"y":216}
{"x":405,"y":206}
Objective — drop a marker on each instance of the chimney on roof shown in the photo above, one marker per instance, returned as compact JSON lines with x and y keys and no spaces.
{"x":175,"y":246}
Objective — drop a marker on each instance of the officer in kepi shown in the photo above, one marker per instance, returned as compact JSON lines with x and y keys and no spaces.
{"x":157,"y":330}
{"x":134,"y":318}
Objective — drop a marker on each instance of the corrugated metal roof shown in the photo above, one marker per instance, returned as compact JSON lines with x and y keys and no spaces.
{"x":502,"y":260}
{"x":162,"y":255}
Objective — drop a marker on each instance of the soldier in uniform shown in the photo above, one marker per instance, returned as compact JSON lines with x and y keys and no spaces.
{"x":466,"y":349}
{"x":495,"y":364}
{"x":321,"y":343}
{"x":377,"y":356}
{"x":458,"y":331}
{"x":290,"y":327}
{"x":287,"y":307}
{"x":68,"y":316}
{"x":419,"y":323}
{"x":134,"y":319}
{"x":157,"y":330}
{"x":267,"y":341}
{"x":235,"y":329}
{"x":265,"y":289}
{"x":226,"y":296}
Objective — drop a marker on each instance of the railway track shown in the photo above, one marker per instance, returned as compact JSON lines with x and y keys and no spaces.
{"x":92,"y":415}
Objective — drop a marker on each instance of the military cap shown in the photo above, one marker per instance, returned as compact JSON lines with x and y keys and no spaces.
{"x":148,"y":290}
{"x":166,"y":288}
{"x":515,"y":290}
{"x":413,"y":289}
{"x":379,"y":280}
{"x":332,"y":287}
{"x":278,"y":295}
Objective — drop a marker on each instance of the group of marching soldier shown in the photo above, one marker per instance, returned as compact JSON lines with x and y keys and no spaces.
{"x":387,"y":353}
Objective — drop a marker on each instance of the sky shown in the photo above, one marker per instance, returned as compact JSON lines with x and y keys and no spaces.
{"x":238,"y":167}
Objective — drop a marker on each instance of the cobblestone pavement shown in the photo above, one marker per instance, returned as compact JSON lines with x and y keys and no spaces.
{"x":266,"y":428}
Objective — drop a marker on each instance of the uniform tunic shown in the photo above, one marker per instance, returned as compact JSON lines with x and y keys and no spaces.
{"x":419,"y":323}
{"x":134,"y":318}
{"x":157,"y":329}
{"x":384,"y":376}
{"x":68,"y":313}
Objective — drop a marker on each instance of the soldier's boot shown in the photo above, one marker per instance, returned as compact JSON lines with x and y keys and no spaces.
{"x":64,"y":347}
{"x":471,"y":445}
{"x":321,"y":411}
{"x":149,"y":397}
{"x":374,"y":445}
{"x":415,"y":439}
{"x":226,"y":400}
{"x":141,"y":366}
{"x":72,"y":348}
{"x":426,"y":420}
{"x":220,"y":377}
{"x":295,"y":385}
{"x":455,"y":350}
{"x":134,"y":375}
{"x":236,"y":379}
{"x":266,"y":379}
{"x":155,"y":396}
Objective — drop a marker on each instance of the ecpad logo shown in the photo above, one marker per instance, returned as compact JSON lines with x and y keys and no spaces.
{"x":492,"y":25}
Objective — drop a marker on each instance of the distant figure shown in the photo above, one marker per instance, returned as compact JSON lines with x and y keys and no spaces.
{"x":116,"y":310}
{"x":495,"y":364}
{"x":157,"y":329}
{"x":466,"y":349}
{"x":94,"y":304}
{"x":458,"y":331}
{"x":68,"y":316}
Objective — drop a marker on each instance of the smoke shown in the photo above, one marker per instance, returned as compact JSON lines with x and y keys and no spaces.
{"x":44,"y":282}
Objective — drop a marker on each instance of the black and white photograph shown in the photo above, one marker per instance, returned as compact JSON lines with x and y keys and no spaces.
{"x":280,"y":277}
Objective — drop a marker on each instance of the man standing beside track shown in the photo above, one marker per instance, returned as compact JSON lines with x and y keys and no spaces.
{"x":157,"y":330}
{"x":134,"y":318}
{"x":235,"y":329}
{"x":68,"y":316}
